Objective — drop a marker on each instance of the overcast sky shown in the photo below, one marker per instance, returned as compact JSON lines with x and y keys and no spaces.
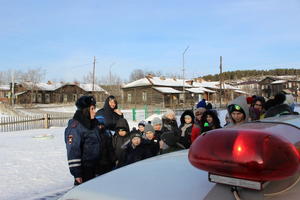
{"x":63,"y":36}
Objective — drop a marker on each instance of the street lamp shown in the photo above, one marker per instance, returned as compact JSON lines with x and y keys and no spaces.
{"x":183,"y":74}
{"x":112,"y":64}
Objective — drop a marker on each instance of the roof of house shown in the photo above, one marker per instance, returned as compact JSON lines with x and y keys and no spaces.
{"x":89,"y":87}
{"x":167,"y":90}
{"x":279,"y":81}
{"x":158,"y":81}
{"x":4,"y":87}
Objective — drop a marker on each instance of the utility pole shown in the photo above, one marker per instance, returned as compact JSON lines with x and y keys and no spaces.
{"x":221,"y":81}
{"x":94,"y":73}
{"x":183,"y":69}
{"x":12,"y":88}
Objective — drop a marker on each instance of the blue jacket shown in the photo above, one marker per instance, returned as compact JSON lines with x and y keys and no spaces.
{"x":83,"y":147}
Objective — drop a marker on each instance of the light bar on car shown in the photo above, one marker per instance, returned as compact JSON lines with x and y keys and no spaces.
{"x":254,"y":151}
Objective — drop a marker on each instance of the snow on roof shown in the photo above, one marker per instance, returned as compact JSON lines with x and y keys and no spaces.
{"x":214,"y":85}
{"x":279,"y":81}
{"x":89,"y":87}
{"x":167,"y":90}
{"x":140,"y":82}
{"x":4,"y":87}
{"x":158,"y":81}
{"x":240,"y":91}
{"x":43,"y":86}
{"x":195,"y":90}
{"x":49,"y":87}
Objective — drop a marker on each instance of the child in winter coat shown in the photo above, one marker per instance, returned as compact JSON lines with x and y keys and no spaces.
{"x":151,"y":141}
{"x":120,"y":139}
{"x":134,"y":151}
{"x":196,"y":130}
{"x":141,"y":128}
{"x":209,"y":121}
{"x":187,"y":121}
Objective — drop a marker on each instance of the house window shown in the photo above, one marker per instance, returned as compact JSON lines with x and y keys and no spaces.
{"x":33,"y":97}
{"x":144,"y":96}
{"x":129,"y":98}
{"x":290,"y":85}
{"x":47,"y":98}
{"x":74,"y":97}
{"x":39,"y":98}
{"x":65,"y":98}
{"x":181,"y":96}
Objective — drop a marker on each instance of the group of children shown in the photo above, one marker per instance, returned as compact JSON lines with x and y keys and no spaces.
{"x":160,"y":135}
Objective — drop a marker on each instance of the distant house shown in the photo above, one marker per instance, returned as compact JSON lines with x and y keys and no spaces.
{"x":270,"y":86}
{"x":251,"y":87}
{"x":171,"y":93}
{"x":50,"y":92}
{"x":4,"y":93}
{"x":156,"y":91}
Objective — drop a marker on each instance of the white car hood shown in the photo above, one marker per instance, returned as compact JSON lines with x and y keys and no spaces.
{"x":169,"y":176}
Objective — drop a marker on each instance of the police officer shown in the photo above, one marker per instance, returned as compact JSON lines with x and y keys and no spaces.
{"x":83,"y":141}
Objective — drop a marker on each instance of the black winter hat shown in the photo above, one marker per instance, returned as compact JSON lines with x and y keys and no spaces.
{"x":85,"y":102}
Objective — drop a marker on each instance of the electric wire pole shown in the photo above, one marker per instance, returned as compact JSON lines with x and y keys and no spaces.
{"x":221,"y":81}
{"x":183,"y":69}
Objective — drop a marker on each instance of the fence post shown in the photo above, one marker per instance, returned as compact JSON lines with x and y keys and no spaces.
{"x":157,"y":111}
{"x":133,"y":114}
{"x":146,"y":111}
{"x":46,"y":121}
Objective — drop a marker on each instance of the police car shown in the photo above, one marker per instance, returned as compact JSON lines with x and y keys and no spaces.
{"x":257,"y":160}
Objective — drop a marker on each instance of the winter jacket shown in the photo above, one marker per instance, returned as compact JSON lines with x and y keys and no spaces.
{"x":107,"y":158}
{"x":110,"y":117}
{"x":133,"y":154}
{"x":186,"y":129}
{"x":83,"y":149}
{"x":119,"y":142}
{"x":282,"y":109}
{"x":152,"y":146}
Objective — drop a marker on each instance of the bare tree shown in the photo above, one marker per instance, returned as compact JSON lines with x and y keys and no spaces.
{"x":88,"y":78}
{"x":136,"y":74}
{"x":31,"y":78}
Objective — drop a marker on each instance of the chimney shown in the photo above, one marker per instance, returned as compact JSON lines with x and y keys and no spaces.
{"x":162,"y":78}
{"x":49,"y":82}
{"x":149,"y":76}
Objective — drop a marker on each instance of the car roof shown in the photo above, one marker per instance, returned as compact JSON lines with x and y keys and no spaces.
{"x":168,"y":176}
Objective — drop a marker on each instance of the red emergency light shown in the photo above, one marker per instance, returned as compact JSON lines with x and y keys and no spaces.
{"x":253,"y":151}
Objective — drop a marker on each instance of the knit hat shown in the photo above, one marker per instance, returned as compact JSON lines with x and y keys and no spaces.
{"x":100,"y":120}
{"x":142,"y":123}
{"x":169,"y":112}
{"x":234,"y":107}
{"x":148,"y":128}
{"x":135,"y":135}
{"x":85,"y":102}
{"x":156,"y":121}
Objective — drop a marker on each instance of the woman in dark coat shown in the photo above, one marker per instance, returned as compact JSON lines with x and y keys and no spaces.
{"x":110,"y":112}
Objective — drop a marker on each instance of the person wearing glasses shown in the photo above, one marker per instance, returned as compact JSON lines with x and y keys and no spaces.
{"x":238,"y":111}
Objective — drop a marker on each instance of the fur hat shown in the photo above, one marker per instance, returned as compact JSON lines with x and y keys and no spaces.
{"x":169,"y":112}
{"x":85,"y":102}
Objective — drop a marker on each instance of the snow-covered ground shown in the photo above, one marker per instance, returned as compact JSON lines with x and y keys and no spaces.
{"x":34,"y":165}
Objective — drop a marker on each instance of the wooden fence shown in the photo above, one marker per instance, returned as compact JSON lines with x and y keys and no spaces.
{"x":16,"y":123}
